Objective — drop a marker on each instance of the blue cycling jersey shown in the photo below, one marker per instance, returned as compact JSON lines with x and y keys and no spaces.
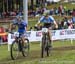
{"x":50,"y":19}
{"x":21,"y":25}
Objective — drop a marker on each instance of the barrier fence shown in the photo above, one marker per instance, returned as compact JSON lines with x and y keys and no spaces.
{"x":56,"y":35}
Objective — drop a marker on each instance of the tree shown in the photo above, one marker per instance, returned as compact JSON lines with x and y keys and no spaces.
{"x":32,"y":4}
{"x":37,"y":3}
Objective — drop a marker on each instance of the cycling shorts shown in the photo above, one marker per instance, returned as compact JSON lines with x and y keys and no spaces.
{"x":47,"y":25}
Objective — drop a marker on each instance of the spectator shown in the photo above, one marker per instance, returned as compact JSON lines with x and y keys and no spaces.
{"x":70,"y":24}
{"x":0,"y":14}
{"x":59,"y":26}
{"x":65,"y":22}
{"x":60,"y":9}
{"x":73,"y":13}
{"x":55,"y":11}
{"x":73,"y":16}
{"x":51,"y":11}
{"x":62,"y":13}
{"x":62,"y":24}
{"x":0,"y":40}
{"x":73,"y":19}
{"x":65,"y":19}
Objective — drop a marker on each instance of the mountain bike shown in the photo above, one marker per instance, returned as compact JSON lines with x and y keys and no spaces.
{"x":18,"y":46}
{"x":45,"y":42}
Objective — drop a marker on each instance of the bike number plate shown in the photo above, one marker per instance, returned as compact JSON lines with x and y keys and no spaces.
{"x":44,"y":30}
{"x":16,"y":34}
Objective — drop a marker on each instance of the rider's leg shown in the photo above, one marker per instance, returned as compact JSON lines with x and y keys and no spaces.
{"x":23,"y":39}
{"x":49,"y":34}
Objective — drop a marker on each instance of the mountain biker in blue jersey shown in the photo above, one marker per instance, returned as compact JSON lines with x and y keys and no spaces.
{"x":47,"y":23}
{"x":21,"y":24}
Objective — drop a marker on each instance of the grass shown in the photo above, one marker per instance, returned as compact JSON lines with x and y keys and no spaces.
{"x":68,"y":5}
{"x":57,"y":56}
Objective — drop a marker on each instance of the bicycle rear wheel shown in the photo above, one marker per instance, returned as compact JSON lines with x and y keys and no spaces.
{"x":14,"y":51}
{"x":47,"y":46}
{"x":25,"y":48}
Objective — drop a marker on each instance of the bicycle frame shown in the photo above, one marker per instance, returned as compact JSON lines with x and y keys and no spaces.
{"x":45,"y":42}
{"x":20,"y":47}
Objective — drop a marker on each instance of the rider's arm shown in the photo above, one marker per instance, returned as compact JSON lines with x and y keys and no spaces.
{"x":25,"y":25}
{"x":12,"y":25}
{"x":26,"y":28}
{"x":40,"y":20}
{"x":56,"y":25}
{"x":37,"y":23}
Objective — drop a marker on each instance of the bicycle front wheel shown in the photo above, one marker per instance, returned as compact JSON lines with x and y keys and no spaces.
{"x":26,"y":48}
{"x":43,"y":46}
{"x":14,"y":51}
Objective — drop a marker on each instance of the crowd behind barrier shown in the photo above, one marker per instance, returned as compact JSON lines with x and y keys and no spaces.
{"x":37,"y":11}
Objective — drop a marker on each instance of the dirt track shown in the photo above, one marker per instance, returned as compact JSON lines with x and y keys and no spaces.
{"x":36,"y":55}
{"x":65,"y":48}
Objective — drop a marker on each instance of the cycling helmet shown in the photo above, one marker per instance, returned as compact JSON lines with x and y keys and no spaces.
{"x":18,"y":16}
{"x":45,"y":14}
